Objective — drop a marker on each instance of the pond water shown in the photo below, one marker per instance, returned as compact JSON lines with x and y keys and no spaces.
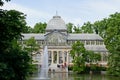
{"x":69,"y":76}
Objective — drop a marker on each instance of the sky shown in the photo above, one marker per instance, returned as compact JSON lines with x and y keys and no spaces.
{"x":75,"y":11}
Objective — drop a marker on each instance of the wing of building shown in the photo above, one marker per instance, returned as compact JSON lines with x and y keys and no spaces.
{"x":59,"y":42}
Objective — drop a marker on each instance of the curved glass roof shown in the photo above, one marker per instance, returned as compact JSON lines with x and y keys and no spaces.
{"x":56,"y":23}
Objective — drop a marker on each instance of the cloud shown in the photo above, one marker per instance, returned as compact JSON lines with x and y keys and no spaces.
{"x":24,"y":9}
{"x":93,"y":10}
{"x":101,"y":6}
{"x":32,"y":14}
{"x":79,"y":12}
{"x":76,"y":12}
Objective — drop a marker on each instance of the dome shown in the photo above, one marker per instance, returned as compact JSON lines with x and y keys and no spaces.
{"x":56,"y":23}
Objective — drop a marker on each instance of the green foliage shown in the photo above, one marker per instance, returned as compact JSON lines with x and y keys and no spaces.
{"x":114,"y":64}
{"x":31,"y":45}
{"x":2,"y":2}
{"x":39,"y":27}
{"x":69,"y":27}
{"x":100,"y":27}
{"x":28,"y":29}
{"x":87,"y":28}
{"x":112,"y":41}
{"x":95,"y":68}
{"x":109,"y":29}
{"x":31,"y":42}
{"x":92,"y":57}
{"x":14,"y":62}
{"x":79,"y":64}
{"x":113,"y":32}
{"x":77,"y":29}
{"x":77,"y":53}
{"x":78,"y":48}
{"x":80,"y":55}
{"x":12,"y":23}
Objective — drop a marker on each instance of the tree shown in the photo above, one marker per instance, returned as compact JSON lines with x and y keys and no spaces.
{"x":109,"y":29}
{"x":39,"y":27}
{"x":77,"y":29}
{"x":28,"y":29}
{"x":69,"y":27}
{"x":14,"y":62}
{"x":31,"y":46}
{"x":100,"y":27}
{"x":87,"y":28}
{"x":2,"y":2}
{"x":112,"y":41}
{"x":92,"y":57}
{"x":78,"y":52}
{"x":12,"y":23}
{"x":80,"y":55}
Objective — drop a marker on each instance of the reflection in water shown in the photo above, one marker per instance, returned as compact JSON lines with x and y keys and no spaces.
{"x":59,"y":76}
{"x":67,"y":76}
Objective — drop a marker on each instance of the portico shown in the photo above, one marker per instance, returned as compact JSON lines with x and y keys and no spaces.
{"x":58,"y":55}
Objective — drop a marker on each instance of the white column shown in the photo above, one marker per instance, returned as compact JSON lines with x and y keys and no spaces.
{"x":57,"y":57}
{"x":52,"y":56}
{"x":63,"y":56}
{"x":85,"y":42}
{"x":95,"y":42}
{"x":67,"y":57}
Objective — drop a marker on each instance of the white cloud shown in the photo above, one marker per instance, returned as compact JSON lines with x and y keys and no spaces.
{"x":76,"y":12}
{"x":32,"y":15}
{"x":24,"y":9}
{"x":101,"y":6}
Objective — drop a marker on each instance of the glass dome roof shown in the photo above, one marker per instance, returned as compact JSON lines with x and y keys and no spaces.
{"x":56,"y":23}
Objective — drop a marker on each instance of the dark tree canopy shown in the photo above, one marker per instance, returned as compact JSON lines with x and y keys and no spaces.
{"x":31,"y":45}
{"x":77,"y":52}
{"x":112,"y":41}
{"x":12,"y":23}
{"x":69,"y":27}
{"x":2,"y":2}
{"x":87,"y":28}
{"x":14,"y":62}
{"x":109,"y":30}
{"x":39,"y":27}
{"x":80,"y":56}
{"x":77,"y":29}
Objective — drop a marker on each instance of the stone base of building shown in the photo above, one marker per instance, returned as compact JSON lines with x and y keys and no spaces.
{"x":57,"y":68}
